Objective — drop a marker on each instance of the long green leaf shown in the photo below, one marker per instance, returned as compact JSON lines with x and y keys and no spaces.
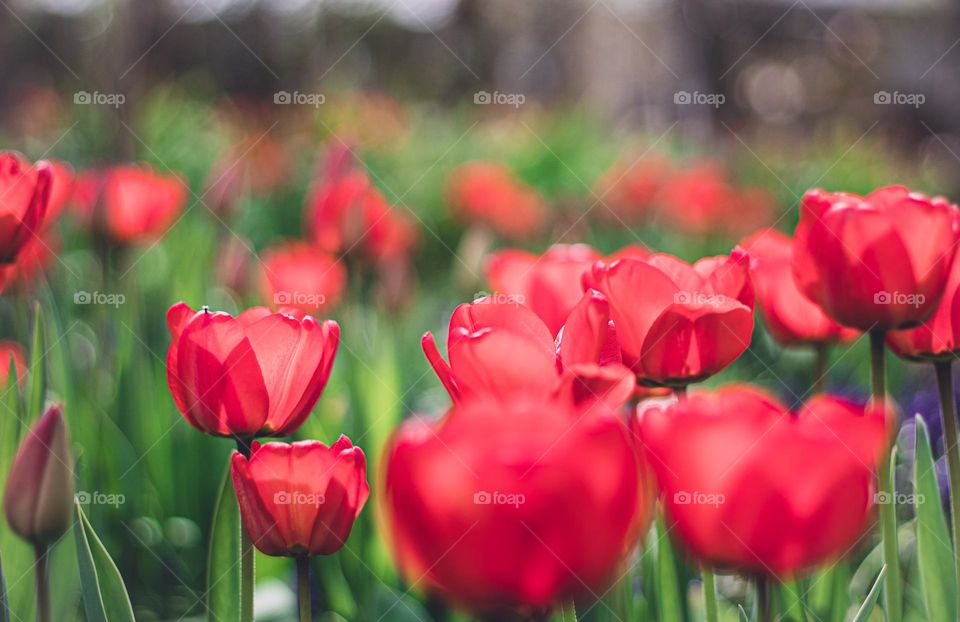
{"x":934,"y":551}
{"x":223,"y":566}
{"x":105,"y":598}
{"x":37,"y":386}
{"x":671,"y":609}
{"x":867,"y":608}
{"x":4,"y":604}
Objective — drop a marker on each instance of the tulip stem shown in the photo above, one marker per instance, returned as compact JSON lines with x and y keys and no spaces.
{"x":763,"y":600}
{"x":303,"y":587}
{"x":568,"y":611}
{"x":820,"y":355}
{"x":43,"y":583}
{"x":948,"y":412}
{"x":710,"y":594}
{"x":893,"y":599}
{"x":680,"y":392}
{"x":246,"y":556}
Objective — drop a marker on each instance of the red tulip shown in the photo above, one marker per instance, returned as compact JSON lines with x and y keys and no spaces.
{"x":938,"y":338}
{"x":300,"y":499}
{"x":875,"y":262}
{"x":61,"y":189}
{"x":301,"y":276}
{"x":139,"y":203}
{"x":791,"y":317}
{"x":515,"y":505}
{"x":753,"y":487}
{"x":38,"y":500}
{"x":24,"y":195}
{"x":488,"y":193}
{"x":258,"y":374}
{"x":678,"y":323}
{"x":12,"y":357}
{"x":499,"y":348}
{"x":628,"y":191}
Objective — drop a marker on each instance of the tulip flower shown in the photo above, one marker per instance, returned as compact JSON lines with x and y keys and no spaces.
{"x":24,"y":196}
{"x":791,"y":317}
{"x":550,"y":284}
{"x":938,"y":337}
{"x":739,"y":483}
{"x":139,"y":203}
{"x":878,"y":262}
{"x":258,"y":374}
{"x":61,"y":189}
{"x":302,"y":276}
{"x":514,"y":506}
{"x":499,"y":348}
{"x":677,"y":323}
{"x":300,"y":499}
{"x":628,"y":192}
{"x":489,"y":194}
{"x":38,"y":500}
{"x":12,"y":358}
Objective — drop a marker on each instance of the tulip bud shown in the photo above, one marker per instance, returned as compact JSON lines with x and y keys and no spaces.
{"x":39,"y":496}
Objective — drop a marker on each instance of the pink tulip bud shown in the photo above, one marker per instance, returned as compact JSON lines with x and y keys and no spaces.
{"x":39,"y":496}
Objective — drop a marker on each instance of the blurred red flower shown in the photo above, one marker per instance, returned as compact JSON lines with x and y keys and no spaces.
{"x":875,"y":262}
{"x":24,"y":197}
{"x":753,"y":487}
{"x":12,"y":357}
{"x":302,"y":276}
{"x":938,"y":337}
{"x":300,"y":499}
{"x":677,"y":323}
{"x":514,"y":505}
{"x":258,"y":374}
{"x":790,"y":316}
{"x":628,"y":192}
{"x":488,"y":193}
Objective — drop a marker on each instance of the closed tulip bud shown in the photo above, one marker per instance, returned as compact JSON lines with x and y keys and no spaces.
{"x":39,"y":496}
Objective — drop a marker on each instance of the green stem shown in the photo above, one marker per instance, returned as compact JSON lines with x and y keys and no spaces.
{"x":43,"y":584}
{"x":710,"y":594}
{"x":247,"y":569}
{"x":764,"y":610}
{"x":893,"y":599}
{"x":820,"y":355}
{"x":303,"y":587}
{"x":568,"y":611}
{"x":948,"y":412}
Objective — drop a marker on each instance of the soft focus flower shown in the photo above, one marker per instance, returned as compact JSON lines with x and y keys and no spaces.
{"x":875,"y":262}
{"x":258,"y":374}
{"x":297,"y":274}
{"x":488,"y":193}
{"x":790,"y":316}
{"x":628,"y":190}
{"x":678,"y":323}
{"x":550,"y":284}
{"x":140,"y":203}
{"x":499,"y":348}
{"x":12,"y":357}
{"x":24,"y":195}
{"x":515,"y":505}
{"x":34,"y":259}
{"x":39,"y":496}
{"x":753,"y":487}
{"x":302,"y":498}
{"x":61,"y":189}
{"x":938,"y":337}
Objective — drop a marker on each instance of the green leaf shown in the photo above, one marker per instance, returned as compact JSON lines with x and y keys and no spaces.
{"x":791,"y":600}
{"x":223,"y":566}
{"x":37,"y":386}
{"x":105,"y":598}
{"x":668,"y":589}
{"x":743,"y":614}
{"x":867,"y":608}
{"x":938,"y":577}
{"x":4,"y":605}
